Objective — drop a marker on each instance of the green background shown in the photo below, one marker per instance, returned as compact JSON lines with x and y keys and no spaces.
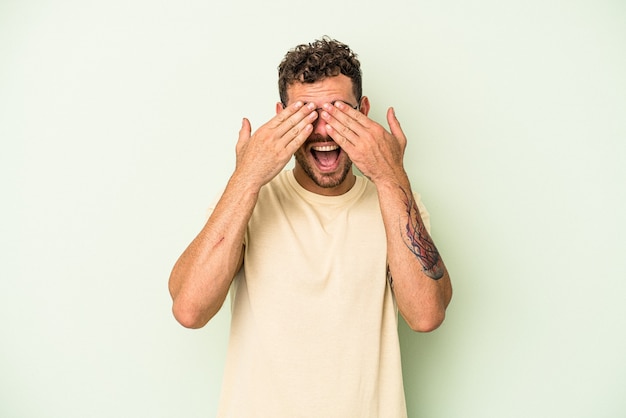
{"x":118,"y":122}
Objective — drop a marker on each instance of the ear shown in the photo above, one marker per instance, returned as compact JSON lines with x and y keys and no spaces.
{"x":279,"y":107}
{"x":365,"y":105}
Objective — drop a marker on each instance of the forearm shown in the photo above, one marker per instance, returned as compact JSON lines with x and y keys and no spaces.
{"x":201,"y":277}
{"x":418,"y":275}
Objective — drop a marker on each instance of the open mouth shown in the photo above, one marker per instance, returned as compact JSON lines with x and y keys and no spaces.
{"x":326,"y":155}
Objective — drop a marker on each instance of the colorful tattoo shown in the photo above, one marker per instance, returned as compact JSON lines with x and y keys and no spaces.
{"x":420,"y":243}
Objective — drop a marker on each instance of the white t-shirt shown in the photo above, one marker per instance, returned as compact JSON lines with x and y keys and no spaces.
{"x":314,"y":320}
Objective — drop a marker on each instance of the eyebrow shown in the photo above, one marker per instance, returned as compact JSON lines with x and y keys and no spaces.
{"x":355,"y":107}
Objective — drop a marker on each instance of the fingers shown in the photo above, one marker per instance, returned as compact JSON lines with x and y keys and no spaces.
{"x":344,"y":123}
{"x":296,"y":136}
{"x":344,"y":137}
{"x":290,"y":128}
{"x":292,"y":116}
{"x":282,"y":135}
{"x":350,"y":125}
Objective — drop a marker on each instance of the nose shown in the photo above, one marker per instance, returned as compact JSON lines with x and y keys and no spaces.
{"x":319,"y":125}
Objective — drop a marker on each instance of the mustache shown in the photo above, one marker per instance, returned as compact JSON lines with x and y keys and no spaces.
{"x":319,"y":139}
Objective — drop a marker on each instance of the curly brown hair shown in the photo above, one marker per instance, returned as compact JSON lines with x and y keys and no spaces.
{"x":309,"y":63}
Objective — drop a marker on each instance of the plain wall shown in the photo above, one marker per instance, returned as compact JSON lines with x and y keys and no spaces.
{"x":118,"y":121}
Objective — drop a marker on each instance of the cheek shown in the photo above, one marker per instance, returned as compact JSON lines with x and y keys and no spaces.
{"x":301,"y":152}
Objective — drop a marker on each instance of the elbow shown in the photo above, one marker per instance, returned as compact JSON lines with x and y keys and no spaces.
{"x":189,"y":318}
{"x":426,"y":323}
{"x":186,"y":311}
{"x":428,"y":320}
{"x":192,"y":311}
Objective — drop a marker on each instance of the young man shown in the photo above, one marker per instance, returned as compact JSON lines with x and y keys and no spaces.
{"x":318,"y":260}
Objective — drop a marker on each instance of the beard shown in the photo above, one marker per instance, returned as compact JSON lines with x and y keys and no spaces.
{"x":324,"y":180}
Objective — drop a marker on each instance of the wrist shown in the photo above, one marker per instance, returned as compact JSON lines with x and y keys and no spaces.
{"x":392,"y":181}
{"x":245,"y":185}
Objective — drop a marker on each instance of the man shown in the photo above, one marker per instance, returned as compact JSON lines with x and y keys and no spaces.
{"x":318,"y":260}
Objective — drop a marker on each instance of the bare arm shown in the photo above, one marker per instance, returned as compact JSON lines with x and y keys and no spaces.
{"x":201,"y":277}
{"x":418,"y":275}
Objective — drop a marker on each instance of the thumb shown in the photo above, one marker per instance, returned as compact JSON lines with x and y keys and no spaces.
{"x":394,"y":125}
{"x":244,"y":134}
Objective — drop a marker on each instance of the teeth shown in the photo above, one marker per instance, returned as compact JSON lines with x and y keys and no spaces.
{"x":325,"y":148}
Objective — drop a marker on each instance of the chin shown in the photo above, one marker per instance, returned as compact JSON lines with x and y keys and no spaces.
{"x":326,"y":180}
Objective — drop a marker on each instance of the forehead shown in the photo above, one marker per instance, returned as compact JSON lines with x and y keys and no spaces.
{"x":327,"y":90}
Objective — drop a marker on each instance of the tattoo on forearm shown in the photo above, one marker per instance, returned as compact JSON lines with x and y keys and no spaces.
{"x":419,"y":242}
